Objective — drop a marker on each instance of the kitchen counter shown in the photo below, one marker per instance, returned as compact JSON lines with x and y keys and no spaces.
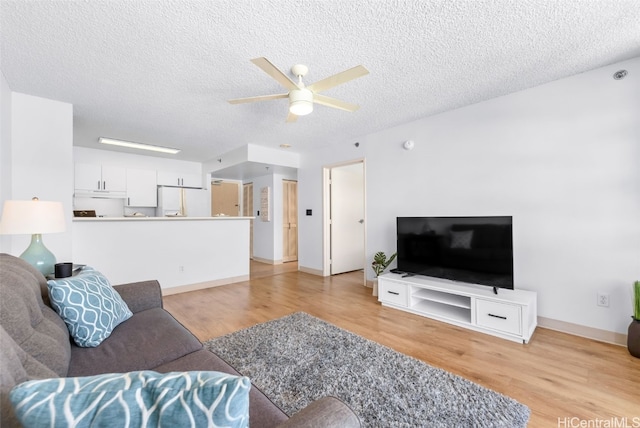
{"x":182,"y":253}
{"x":171,"y":218}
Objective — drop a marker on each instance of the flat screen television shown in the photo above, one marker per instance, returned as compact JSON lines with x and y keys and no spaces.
{"x":474,"y":250}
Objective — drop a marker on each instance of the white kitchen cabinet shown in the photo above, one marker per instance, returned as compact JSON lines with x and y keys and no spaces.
{"x":177,"y":179}
{"x":141,"y":188}
{"x":100,"y":180}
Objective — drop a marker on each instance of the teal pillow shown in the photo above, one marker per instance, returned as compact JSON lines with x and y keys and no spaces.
{"x":135,"y":399}
{"x":90,"y":307}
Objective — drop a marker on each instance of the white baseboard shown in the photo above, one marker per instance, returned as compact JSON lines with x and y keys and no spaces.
{"x":202,"y":285}
{"x":311,"y":271}
{"x":267,"y":261}
{"x":583,"y":331}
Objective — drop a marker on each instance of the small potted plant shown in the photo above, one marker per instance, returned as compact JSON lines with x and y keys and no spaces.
{"x":379,"y":264}
{"x":633,"y":336}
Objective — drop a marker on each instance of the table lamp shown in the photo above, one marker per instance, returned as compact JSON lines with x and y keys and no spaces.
{"x":34,"y":217}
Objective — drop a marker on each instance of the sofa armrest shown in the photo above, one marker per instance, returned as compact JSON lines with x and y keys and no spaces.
{"x":327,"y":412}
{"x":141,"y":296}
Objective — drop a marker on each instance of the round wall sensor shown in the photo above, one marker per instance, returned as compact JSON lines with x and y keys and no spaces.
{"x":619,"y":75}
{"x":408,"y":145}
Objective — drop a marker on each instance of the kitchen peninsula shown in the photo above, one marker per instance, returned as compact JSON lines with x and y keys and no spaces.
{"x":182,"y":253}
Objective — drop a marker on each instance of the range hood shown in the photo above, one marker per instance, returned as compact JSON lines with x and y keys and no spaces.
{"x":102,"y":194}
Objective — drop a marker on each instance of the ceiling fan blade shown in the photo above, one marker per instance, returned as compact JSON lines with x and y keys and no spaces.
{"x":291,"y":118}
{"x":334,"y":102}
{"x":337,"y":79}
{"x":275,"y":73}
{"x":260,"y":98}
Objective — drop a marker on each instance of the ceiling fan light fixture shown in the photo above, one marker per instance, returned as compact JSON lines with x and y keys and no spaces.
{"x":301,"y":97}
{"x":300,"y":102}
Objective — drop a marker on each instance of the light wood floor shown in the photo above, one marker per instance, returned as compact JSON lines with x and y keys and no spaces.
{"x":558,"y":376}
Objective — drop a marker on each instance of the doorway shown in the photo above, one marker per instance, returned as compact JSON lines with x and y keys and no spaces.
{"x":225,"y":198}
{"x":289,"y":221}
{"x":344,"y":218}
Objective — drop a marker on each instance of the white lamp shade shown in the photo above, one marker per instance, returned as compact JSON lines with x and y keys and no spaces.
{"x":301,"y":102}
{"x":32,"y":217}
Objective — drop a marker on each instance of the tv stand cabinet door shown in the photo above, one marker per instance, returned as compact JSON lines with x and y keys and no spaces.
{"x":498,"y":316}
{"x":393,"y":293}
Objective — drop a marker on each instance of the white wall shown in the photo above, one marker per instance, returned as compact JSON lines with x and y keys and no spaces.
{"x":263,"y":240}
{"x":5,"y":153}
{"x":563,"y":159}
{"x":127,"y":160}
{"x":176,"y":251}
{"x":41,"y":162}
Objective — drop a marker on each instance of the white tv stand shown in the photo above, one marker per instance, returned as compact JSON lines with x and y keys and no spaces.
{"x":510,"y":314}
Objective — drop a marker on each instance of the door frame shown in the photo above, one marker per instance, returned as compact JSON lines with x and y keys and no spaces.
{"x":283,"y":181}
{"x":326,"y":215}
{"x":244,"y":207}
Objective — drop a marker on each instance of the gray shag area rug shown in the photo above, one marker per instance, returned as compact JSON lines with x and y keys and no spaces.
{"x":297,"y":359}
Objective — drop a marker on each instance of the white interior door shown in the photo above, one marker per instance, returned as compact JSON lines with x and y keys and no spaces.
{"x":347,"y":218}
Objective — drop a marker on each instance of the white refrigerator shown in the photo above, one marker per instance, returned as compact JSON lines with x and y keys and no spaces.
{"x":183,"y":202}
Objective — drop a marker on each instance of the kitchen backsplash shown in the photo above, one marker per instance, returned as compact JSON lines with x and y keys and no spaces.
{"x":109,"y":207}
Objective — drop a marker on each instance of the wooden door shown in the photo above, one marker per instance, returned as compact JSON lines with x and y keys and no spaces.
{"x":247,"y":211}
{"x":224,"y":199}
{"x":289,"y":220}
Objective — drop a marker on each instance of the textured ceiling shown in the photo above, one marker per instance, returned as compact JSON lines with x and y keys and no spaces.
{"x":161,"y":71}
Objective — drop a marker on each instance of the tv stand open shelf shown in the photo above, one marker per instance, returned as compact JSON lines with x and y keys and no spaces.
{"x":510,"y":314}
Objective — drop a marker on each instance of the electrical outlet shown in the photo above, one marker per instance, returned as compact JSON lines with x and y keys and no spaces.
{"x":603,"y":299}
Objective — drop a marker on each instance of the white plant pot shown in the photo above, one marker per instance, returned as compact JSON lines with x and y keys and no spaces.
{"x":375,"y":287}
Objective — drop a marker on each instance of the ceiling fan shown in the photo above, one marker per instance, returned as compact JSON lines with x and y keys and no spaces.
{"x":301,"y":97}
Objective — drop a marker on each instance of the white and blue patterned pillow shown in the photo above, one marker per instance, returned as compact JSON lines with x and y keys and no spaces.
{"x":135,"y":399}
{"x":90,"y":307}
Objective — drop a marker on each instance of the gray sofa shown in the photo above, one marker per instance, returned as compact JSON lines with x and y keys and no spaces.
{"x":35,"y":344}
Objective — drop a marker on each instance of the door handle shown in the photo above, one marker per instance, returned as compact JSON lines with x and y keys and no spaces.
{"x":361,"y":221}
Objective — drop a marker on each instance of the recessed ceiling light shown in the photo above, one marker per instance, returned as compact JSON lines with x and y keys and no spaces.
{"x":140,"y":146}
{"x":285,"y":146}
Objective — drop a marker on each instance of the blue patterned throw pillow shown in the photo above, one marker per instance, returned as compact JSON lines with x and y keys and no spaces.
{"x":135,"y":399}
{"x":90,"y":307}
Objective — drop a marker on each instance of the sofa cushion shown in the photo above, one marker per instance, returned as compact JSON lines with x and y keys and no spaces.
{"x":139,"y":399}
{"x":17,"y":367}
{"x":33,"y":326}
{"x":89,"y":306}
{"x":146,"y":340}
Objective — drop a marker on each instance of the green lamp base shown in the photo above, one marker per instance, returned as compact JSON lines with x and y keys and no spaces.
{"x":39,"y":256}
